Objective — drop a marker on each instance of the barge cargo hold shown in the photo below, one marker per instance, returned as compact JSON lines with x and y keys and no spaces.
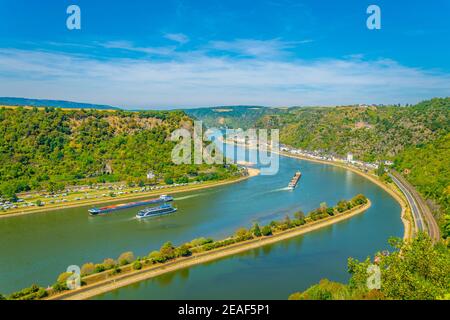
{"x":107,"y":209}
{"x":293,"y":184}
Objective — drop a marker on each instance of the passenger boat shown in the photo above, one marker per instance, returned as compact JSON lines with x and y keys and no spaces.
{"x":107,"y":209}
{"x":156,"y":211}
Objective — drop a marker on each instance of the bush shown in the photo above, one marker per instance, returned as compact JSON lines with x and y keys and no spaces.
{"x":168,"y":180}
{"x":257,"y":230}
{"x":87,"y":269}
{"x":116,"y":270}
{"x":137,"y":265}
{"x":299,"y":215}
{"x":64,"y":276}
{"x":42,"y":293}
{"x":157,"y":257}
{"x":325,"y":290}
{"x":99,"y":268}
{"x":266,"y":231}
{"x":25,"y":294}
{"x":183,"y":251}
{"x":126,"y":258}
{"x":359,"y":200}
{"x":109,"y":263}
{"x":167,"y":250}
{"x":200,"y":242}
{"x":60,"y":286}
{"x":243,"y":234}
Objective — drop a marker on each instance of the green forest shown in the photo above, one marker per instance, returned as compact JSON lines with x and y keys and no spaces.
{"x":50,"y":148}
{"x":369,"y":132}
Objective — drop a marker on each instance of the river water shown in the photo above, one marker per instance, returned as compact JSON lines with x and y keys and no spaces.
{"x":37,"y":247}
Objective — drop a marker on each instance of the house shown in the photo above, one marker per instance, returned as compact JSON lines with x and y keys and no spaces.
{"x":151,"y":175}
{"x":349,"y":157}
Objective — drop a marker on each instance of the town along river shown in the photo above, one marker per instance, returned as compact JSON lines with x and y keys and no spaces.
{"x":36,"y":248}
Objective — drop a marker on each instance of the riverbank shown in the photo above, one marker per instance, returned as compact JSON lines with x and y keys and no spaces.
{"x":109,"y":283}
{"x":391,"y":189}
{"x":252,"y":172}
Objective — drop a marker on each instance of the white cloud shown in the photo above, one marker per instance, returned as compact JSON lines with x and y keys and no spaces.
{"x":202,"y":79}
{"x":177,"y":37}
{"x":129,"y":46}
{"x":255,"y":48}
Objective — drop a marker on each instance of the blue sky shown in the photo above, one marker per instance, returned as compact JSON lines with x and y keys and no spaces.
{"x":180,"y":53}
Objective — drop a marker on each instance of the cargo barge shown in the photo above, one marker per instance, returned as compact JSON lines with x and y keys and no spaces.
{"x":116,"y":207}
{"x":293,"y":184}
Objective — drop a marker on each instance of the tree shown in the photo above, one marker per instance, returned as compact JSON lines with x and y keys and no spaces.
{"x":266,"y":231}
{"x":64,"y":276}
{"x":414,"y":270}
{"x":381,"y":169}
{"x":156,"y":256}
{"x":2,"y":297}
{"x":299,"y":215}
{"x":87,"y":269}
{"x":99,"y":268}
{"x":167,"y":250}
{"x":287,"y":221}
{"x":242,"y":234}
{"x":257,"y":230}
{"x":126,"y":258}
{"x":168,"y":180}
{"x":183,"y":251}
{"x":137,"y":265}
{"x":109,"y":263}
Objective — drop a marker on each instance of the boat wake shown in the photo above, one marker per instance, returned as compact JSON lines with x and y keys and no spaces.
{"x":189,"y":197}
{"x":279,"y":190}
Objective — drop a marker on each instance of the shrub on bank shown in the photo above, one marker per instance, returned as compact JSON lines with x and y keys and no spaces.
{"x":256,"y":230}
{"x":87,"y":269}
{"x":31,"y":293}
{"x":137,"y":265}
{"x":109,"y":263}
{"x":266,"y":231}
{"x":126,"y":258}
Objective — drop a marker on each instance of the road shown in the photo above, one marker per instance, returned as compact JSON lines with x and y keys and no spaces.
{"x":423,"y":218}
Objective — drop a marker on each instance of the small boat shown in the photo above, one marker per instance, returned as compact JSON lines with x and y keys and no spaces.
{"x":107,"y":209}
{"x":293,"y":184}
{"x":156,"y":211}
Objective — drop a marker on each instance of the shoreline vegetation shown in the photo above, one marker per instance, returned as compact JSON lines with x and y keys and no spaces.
{"x":251,"y":172}
{"x":391,"y":189}
{"x":112,"y":274}
{"x":411,"y":270}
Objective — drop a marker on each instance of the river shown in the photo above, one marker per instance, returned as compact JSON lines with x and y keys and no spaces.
{"x":35,"y":248}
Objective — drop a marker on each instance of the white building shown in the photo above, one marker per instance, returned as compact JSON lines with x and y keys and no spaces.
{"x":349,"y":157}
{"x":151,"y":175}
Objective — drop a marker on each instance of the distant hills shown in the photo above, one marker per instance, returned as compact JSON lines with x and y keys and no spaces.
{"x":231,"y":116}
{"x":8,"y":101}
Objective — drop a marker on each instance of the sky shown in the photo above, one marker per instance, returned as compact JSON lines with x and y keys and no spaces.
{"x":198,"y":53}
